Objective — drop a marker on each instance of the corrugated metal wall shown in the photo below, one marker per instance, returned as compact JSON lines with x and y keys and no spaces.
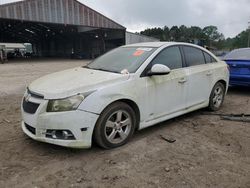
{"x":69,"y":12}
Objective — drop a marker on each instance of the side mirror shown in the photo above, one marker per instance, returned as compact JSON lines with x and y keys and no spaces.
{"x":159,"y":69}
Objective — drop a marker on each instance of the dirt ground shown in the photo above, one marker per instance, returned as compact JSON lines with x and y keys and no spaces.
{"x":208,"y":152}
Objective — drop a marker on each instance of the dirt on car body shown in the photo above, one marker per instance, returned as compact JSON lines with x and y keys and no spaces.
{"x":207,"y":152}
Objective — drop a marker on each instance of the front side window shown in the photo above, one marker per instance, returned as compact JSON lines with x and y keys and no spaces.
{"x":193,"y":56}
{"x":171,"y":57}
{"x":127,"y":59}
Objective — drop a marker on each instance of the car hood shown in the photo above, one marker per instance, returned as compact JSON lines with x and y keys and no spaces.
{"x":73,"y":81}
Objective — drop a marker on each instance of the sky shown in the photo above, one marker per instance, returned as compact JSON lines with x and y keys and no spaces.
{"x":230,"y":16}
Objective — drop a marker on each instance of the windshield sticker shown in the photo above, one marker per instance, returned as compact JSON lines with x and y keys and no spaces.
{"x":145,"y":49}
{"x":138,"y":53}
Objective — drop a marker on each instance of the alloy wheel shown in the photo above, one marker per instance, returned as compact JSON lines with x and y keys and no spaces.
{"x":118,"y":126}
{"x":218,"y":96}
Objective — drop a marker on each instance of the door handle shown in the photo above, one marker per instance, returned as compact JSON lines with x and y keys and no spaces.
{"x":209,"y":73}
{"x":182,"y":80}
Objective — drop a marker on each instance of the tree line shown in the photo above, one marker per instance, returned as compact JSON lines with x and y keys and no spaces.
{"x":208,"y":36}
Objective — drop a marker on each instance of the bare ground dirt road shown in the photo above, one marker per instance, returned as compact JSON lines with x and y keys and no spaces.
{"x":208,"y":152}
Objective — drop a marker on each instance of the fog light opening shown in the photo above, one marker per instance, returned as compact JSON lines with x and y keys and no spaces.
{"x":53,"y":135}
{"x":60,"y":134}
{"x":66,"y":135}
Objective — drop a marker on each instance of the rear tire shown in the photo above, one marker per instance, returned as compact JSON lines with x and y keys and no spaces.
{"x":217,"y":97}
{"x":115,"y":126}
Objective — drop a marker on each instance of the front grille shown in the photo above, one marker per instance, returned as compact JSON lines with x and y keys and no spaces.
{"x":31,"y":129}
{"x":30,"y":107}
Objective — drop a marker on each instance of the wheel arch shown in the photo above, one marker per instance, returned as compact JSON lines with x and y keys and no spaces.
{"x":129,"y":102}
{"x":211,"y":105}
{"x":224,"y":83}
{"x":136,"y":109}
{"x":133,"y":105}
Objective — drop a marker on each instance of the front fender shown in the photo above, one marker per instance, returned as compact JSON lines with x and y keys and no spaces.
{"x":97,"y":103}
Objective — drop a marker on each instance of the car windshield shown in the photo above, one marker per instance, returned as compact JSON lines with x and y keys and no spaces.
{"x":239,"y":54}
{"x":122,"y":60}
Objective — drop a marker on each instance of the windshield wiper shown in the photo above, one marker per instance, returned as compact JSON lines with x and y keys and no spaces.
{"x":100,"y":69}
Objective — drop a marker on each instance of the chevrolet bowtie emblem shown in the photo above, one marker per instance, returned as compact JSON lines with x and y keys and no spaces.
{"x":27,"y":97}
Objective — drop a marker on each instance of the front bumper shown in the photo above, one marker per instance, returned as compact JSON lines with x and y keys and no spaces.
{"x":80,"y":123}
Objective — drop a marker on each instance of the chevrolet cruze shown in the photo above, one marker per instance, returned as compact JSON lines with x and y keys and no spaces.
{"x":127,"y":89}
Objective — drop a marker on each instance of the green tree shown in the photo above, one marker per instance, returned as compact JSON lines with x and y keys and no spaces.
{"x":212,"y":35}
{"x":174,"y":33}
{"x":209,"y":36}
{"x":241,"y":40}
{"x":183,"y":31}
{"x":166,"y":33}
{"x":154,"y":32}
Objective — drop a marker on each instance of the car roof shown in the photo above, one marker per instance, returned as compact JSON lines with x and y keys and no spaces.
{"x":151,"y":44}
{"x":159,"y":44}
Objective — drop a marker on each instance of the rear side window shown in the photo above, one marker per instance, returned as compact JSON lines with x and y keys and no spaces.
{"x":209,"y":58}
{"x":193,"y":56}
{"x":170,"y":57}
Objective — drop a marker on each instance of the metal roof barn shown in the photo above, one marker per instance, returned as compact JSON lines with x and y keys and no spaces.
{"x":59,"y":28}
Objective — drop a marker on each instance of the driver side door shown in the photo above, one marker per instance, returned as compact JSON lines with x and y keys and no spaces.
{"x":167,"y":93}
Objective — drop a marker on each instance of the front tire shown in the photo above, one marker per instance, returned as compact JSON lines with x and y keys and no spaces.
{"x":115,"y":126}
{"x":217,"y":97}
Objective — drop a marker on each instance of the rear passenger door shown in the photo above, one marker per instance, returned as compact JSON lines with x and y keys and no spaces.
{"x":199,"y":75}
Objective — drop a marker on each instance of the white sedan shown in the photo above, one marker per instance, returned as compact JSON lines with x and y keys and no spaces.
{"x":127,"y":89}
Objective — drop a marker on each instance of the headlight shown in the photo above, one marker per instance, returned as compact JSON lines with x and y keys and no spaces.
{"x":62,"y":105}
